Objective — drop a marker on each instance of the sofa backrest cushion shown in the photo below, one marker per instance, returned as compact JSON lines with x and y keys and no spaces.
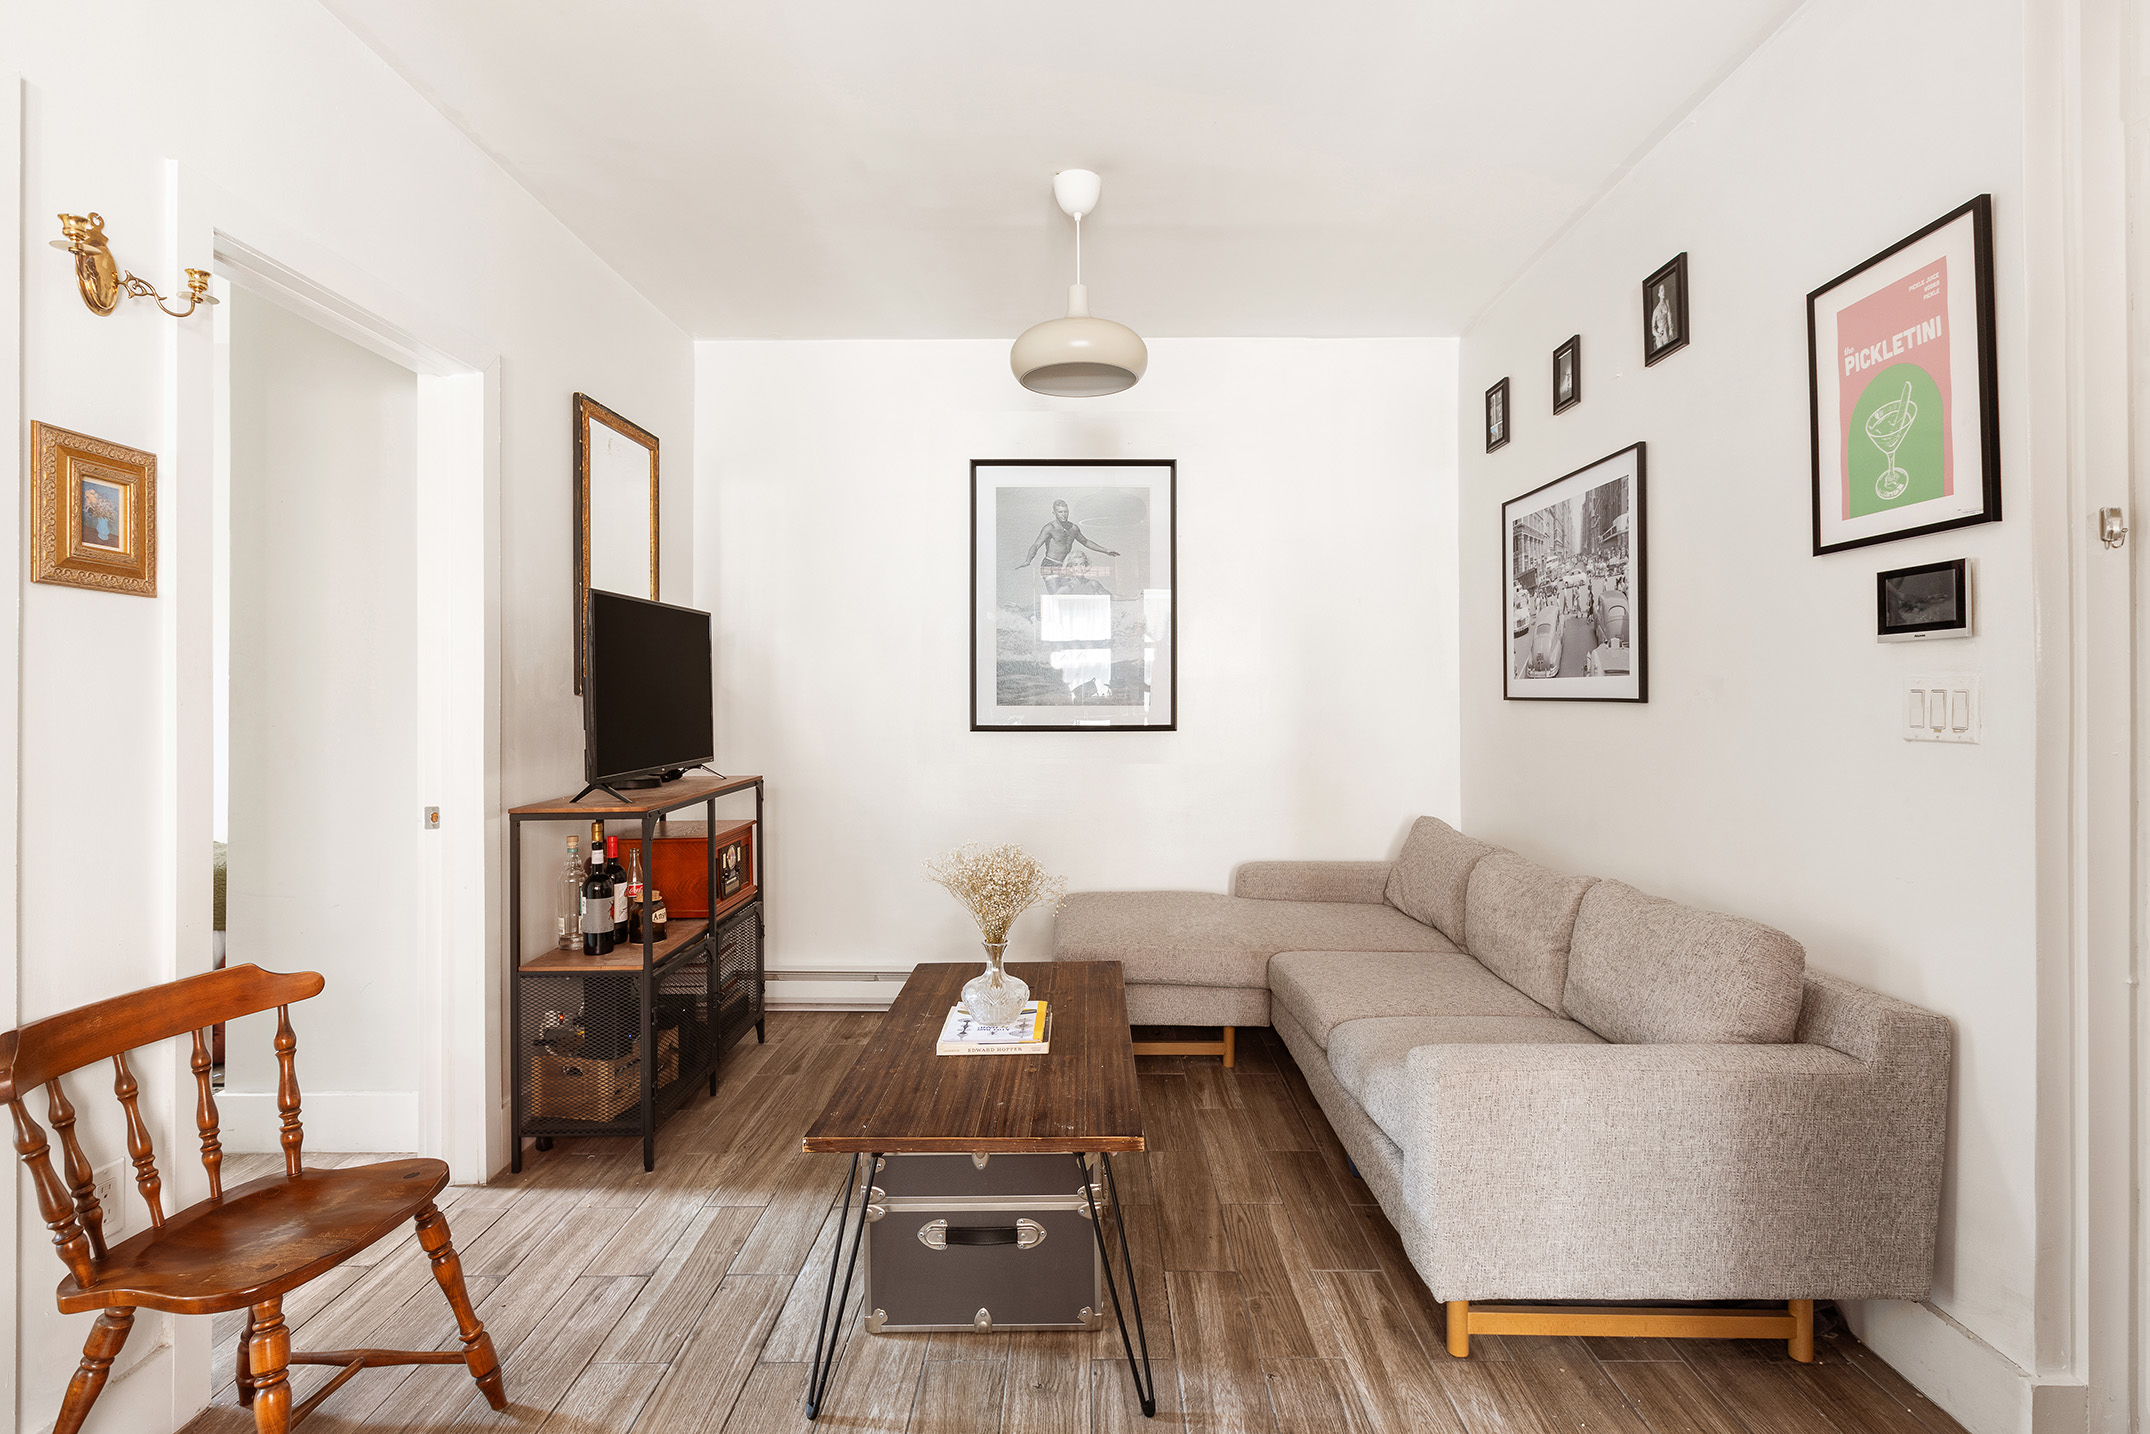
{"x":1432,"y":874}
{"x":1520,"y":916}
{"x":1643,"y":970}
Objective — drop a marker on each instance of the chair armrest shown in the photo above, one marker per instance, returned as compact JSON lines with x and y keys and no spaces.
{"x":1675,"y":1172}
{"x":1365,"y":882}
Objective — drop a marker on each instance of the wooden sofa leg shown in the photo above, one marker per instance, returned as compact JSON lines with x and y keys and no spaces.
{"x":1801,"y":1345}
{"x":1459,"y":1328}
{"x":1230,"y":1040}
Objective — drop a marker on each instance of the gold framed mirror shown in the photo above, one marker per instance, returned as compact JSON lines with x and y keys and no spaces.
{"x":615,"y":510}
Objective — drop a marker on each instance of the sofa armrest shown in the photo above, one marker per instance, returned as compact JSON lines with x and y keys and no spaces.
{"x":1365,"y":882}
{"x":1675,"y":1172}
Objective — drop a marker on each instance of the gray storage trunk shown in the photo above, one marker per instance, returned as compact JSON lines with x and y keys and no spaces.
{"x":1040,"y":1270}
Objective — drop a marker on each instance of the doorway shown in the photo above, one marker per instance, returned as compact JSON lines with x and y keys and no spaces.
{"x":317,"y":797}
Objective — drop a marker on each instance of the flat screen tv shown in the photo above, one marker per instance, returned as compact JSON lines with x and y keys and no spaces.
{"x":646,"y":704}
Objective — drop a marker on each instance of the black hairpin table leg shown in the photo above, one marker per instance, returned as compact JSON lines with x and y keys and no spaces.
{"x":829,"y":1332}
{"x":1145,"y":1379}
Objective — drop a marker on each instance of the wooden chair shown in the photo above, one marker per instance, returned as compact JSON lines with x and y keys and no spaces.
{"x":238,"y":1249}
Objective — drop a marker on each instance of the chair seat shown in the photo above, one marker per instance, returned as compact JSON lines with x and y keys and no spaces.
{"x":263,"y":1238}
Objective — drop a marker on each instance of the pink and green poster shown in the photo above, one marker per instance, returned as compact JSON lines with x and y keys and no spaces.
{"x":1895,"y":441}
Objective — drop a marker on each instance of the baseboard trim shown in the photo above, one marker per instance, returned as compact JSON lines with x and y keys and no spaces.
{"x":353,"y":1120}
{"x":818,"y":993}
{"x":1977,"y":1385}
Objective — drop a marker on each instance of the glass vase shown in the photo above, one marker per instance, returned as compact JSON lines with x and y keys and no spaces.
{"x":994,"y":997}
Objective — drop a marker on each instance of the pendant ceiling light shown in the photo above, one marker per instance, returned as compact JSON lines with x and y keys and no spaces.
{"x":1078,"y":356}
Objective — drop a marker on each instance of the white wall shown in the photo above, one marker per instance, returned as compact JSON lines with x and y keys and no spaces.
{"x":1766,"y":775}
{"x":1316,"y":610}
{"x":266,"y":121}
{"x":324,"y":710}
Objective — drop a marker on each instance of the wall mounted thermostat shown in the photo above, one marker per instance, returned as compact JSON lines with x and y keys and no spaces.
{"x":1917,"y":604}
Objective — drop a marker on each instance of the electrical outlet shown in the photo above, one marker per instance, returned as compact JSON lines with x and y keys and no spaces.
{"x":112,"y":1195}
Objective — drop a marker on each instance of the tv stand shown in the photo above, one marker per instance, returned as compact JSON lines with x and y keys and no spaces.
{"x":685,"y":1000}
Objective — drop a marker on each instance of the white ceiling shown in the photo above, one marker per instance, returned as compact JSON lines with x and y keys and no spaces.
{"x":882,"y":168}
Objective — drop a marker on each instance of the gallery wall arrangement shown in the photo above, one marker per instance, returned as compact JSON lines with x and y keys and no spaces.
{"x":1073,"y":622}
{"x":1902,"y":379}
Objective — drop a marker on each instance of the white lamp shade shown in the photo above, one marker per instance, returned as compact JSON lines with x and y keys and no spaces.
{"x":1078,"y":357}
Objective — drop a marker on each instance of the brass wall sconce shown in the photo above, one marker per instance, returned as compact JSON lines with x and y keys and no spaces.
{"x":99,"y":277}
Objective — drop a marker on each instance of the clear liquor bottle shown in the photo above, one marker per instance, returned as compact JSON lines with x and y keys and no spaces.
{"x":571,"y":875}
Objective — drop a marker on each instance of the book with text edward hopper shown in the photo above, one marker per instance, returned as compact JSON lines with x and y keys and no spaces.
{"x":1027,"y":1035}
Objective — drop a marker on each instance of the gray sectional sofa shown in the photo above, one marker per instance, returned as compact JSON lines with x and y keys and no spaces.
{"x":1561,"y":1088}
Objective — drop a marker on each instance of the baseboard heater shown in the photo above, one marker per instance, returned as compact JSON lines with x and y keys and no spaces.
{"x":777,"y":1000}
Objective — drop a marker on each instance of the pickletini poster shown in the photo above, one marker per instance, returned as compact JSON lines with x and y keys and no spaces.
{"x":1902,"y":408}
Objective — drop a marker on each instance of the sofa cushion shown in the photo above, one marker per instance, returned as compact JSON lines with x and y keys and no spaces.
{"x":1199,"y":938}
{"x":1431,"y":875}
{"x":1323,"y":989}
{"x":1645,"y":970}
{"x":1367,"y":1056}
{"x":1520,"y":915}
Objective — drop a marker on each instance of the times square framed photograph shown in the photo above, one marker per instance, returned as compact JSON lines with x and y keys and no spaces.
{"x":1573,"y":565}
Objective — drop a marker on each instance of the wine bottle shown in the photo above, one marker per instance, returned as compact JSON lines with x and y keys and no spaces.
{"x":597,"y":929}
{"x":571,"y":876}
{"x":656,"y":914}
{"x":618,"y":877}
{"x":634,"y":895}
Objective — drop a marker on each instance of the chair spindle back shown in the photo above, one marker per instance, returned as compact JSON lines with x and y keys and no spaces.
{"x":40,"y":1053}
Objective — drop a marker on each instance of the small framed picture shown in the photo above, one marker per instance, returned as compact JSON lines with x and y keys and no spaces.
{"x":1572,"y":555}
{"x":1568,"y":374}
{"x":1902,"y":382}
{"x":93,"y":513}
{"x":1497,"y":416}
{"x":1664,"y":311}
{"x":1928,"y":601}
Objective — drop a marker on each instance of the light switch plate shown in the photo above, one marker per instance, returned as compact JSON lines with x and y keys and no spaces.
{"x":1941,"y":707}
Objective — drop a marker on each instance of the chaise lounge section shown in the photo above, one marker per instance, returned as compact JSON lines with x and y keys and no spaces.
{"x":1561,"y":1088}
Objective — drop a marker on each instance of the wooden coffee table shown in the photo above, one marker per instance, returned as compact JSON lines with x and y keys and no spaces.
{"x":1079,"y":1098}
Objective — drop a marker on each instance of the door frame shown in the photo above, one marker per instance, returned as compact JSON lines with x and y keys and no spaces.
{"x":457,"y":648}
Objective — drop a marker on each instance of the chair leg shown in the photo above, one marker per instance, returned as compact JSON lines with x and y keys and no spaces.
{"x":242,"y":1371}
{"x":448,"y":1269}
{"x":98,"y":1352}
{"x":268,"y":1357}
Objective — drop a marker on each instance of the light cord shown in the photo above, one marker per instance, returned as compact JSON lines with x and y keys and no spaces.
{"x":1078,"y":248}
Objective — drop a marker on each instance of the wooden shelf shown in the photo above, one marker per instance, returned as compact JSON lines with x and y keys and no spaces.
{"x":619,"y":961}
{"x":627,"y":959}
{"x":698,"y":787}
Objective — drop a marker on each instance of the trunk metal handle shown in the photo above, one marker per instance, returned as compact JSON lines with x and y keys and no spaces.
{"x":1023,"y":1234}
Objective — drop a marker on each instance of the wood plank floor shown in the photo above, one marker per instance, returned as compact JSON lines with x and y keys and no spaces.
{"x":1279,"y":1299}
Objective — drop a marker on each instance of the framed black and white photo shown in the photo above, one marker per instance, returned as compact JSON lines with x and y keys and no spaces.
{"x":1902,"y":383}
{"x":1568,"y":374}
{"x":1072,"y":614}
{"x":1572,"y":574}
{"x":1664,"y":311}
{"x":1928,"y":601}
{"x":1497,"y":416}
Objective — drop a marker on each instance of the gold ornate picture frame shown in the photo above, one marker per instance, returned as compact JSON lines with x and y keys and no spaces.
{"x":93,"y":513}
{"x":615,"y":463}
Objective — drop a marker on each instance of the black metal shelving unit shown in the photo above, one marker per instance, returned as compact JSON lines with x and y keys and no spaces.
{"x":612,"y":1044}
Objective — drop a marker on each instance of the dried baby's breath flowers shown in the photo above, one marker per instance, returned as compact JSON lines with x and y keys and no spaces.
{"x":996,"y":884}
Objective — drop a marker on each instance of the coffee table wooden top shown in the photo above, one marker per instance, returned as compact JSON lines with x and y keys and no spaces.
{"x":901,"y":1098}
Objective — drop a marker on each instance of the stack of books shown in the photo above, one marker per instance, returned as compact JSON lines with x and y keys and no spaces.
{"x":1027,"y":1035}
